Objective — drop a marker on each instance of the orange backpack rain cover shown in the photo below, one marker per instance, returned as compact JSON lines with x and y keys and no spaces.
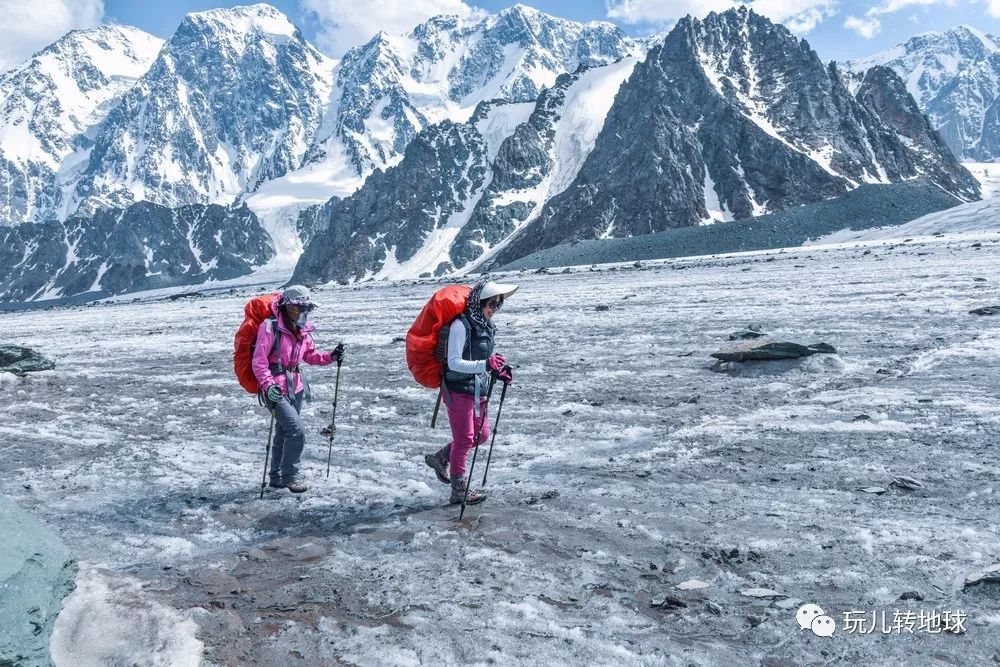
{"x":256,"y":311}
{"x":446,"y":304}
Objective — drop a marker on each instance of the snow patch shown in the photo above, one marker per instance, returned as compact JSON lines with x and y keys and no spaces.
{"x":500,"y":122}
{"x":110,"y":620}
{"x":978,"y":217}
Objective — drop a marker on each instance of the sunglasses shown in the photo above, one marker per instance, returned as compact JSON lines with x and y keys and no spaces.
{"x":301,"y":307}
{"x":495,"y":303}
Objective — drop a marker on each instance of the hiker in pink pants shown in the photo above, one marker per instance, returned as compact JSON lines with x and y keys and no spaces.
{"x":463,"y":420}
{"x":471,"y":360}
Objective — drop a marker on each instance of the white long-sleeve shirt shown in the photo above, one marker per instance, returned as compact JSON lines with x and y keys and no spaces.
{"x":456,"y":345}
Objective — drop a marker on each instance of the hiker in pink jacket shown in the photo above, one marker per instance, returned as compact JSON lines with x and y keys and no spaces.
{"x":276,"y":363}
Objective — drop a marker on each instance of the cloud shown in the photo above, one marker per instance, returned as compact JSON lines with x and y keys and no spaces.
{"x":657,"y":11}
{"x":893,"y":6}
{"x":27,"y":26}
{"x":799,"y":16}
{"x":870,"y":25}
{"x":867,"y":28}
{"x":993,"y":8}
{"x":347,"y":23}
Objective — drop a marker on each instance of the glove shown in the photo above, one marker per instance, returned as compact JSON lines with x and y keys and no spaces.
{"x":496,"y":362}
{"x":274,"y":393}
{"x":498,"y":365}
{"x":337,"y":354}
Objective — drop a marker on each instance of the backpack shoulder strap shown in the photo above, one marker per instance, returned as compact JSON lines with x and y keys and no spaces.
{"x":276,"y":343}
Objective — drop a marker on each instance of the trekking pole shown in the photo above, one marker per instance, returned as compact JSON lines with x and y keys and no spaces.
{"x":437,"y":406}
{"x":267,"y":456}
{"x":333,"y":420}
{"x":475,"y":449}
{"x":496,"y":424}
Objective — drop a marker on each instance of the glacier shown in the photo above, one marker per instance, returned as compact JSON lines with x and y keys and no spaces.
{"x":623,"y":468}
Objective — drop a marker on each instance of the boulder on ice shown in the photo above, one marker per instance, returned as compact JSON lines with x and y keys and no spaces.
{"x":20,"y":360}
{"x":771,"y":350}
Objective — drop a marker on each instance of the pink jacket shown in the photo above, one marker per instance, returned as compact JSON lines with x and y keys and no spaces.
{"x":294,"y":350}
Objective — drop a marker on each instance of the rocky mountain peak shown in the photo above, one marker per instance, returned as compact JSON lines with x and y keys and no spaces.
{"x":241,"y":25}
{"x":50,"y":105}
{"x":929,"y":60}
{"x":740,"y":118}
{"x":393,"y":86}
{"x":234,"y":99}
{"x":962,"y":40}
{"x":955,"y":78}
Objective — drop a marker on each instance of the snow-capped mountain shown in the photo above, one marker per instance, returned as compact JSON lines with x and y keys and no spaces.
{"x":392,"y":87}
{"x":237,"y":106}
{"x":730,"y":117}
{"x":735,"y":116}
{"x":955,"y":78}
{"x":145,"y":246}
{"x":463,"y":144}
{"x":50,"y":105}
{"x":461,"y":189}
{"x":234,"y":98}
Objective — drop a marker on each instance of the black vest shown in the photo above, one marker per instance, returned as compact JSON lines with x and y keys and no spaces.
{"x":478,"y":345}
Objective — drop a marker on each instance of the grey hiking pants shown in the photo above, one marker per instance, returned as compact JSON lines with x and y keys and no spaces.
{"x":289,"y":438}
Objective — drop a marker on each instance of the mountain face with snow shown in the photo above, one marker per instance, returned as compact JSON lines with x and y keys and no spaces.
{"x":145,"y":246}
{"x":233,"y":99}
{"x":463,"y":144}
{"x":49,"y":109}
{"x":730,"y":117}
{"x":955,"y":78}
{"x":391,"y":88}
{"x":734,"y":117}
{"x":237,"y":106}
{"x":462,"y":189}
{"x":400,"y":216}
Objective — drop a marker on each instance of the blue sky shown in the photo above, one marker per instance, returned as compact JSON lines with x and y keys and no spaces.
{"x":836,"y":29}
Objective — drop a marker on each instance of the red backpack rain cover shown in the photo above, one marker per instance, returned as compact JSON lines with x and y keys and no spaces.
{"x":256,"y":311}
{"x":446,"y":304}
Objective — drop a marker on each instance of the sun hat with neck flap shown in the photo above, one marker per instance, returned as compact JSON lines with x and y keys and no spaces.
{"x":492,"y":289}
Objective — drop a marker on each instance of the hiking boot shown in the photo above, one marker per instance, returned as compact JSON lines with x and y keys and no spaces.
{"x":296,"y":485}
{"x":458,"y":493}
{"x":276,"y":483}
{"x":438,"y":462}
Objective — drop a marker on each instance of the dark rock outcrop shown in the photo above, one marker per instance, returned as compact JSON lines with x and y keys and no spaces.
{"x":884,"y":93}
{"x":145,"y":246}
{"x":772,"y":350}
{"x":20,"y":360}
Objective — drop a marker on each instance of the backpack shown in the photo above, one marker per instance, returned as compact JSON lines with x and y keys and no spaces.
{"x":255,"y":311}
{"x":427,"y":339}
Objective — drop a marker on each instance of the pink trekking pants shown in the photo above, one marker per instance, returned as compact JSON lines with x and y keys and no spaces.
{"x":463,"y":429}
